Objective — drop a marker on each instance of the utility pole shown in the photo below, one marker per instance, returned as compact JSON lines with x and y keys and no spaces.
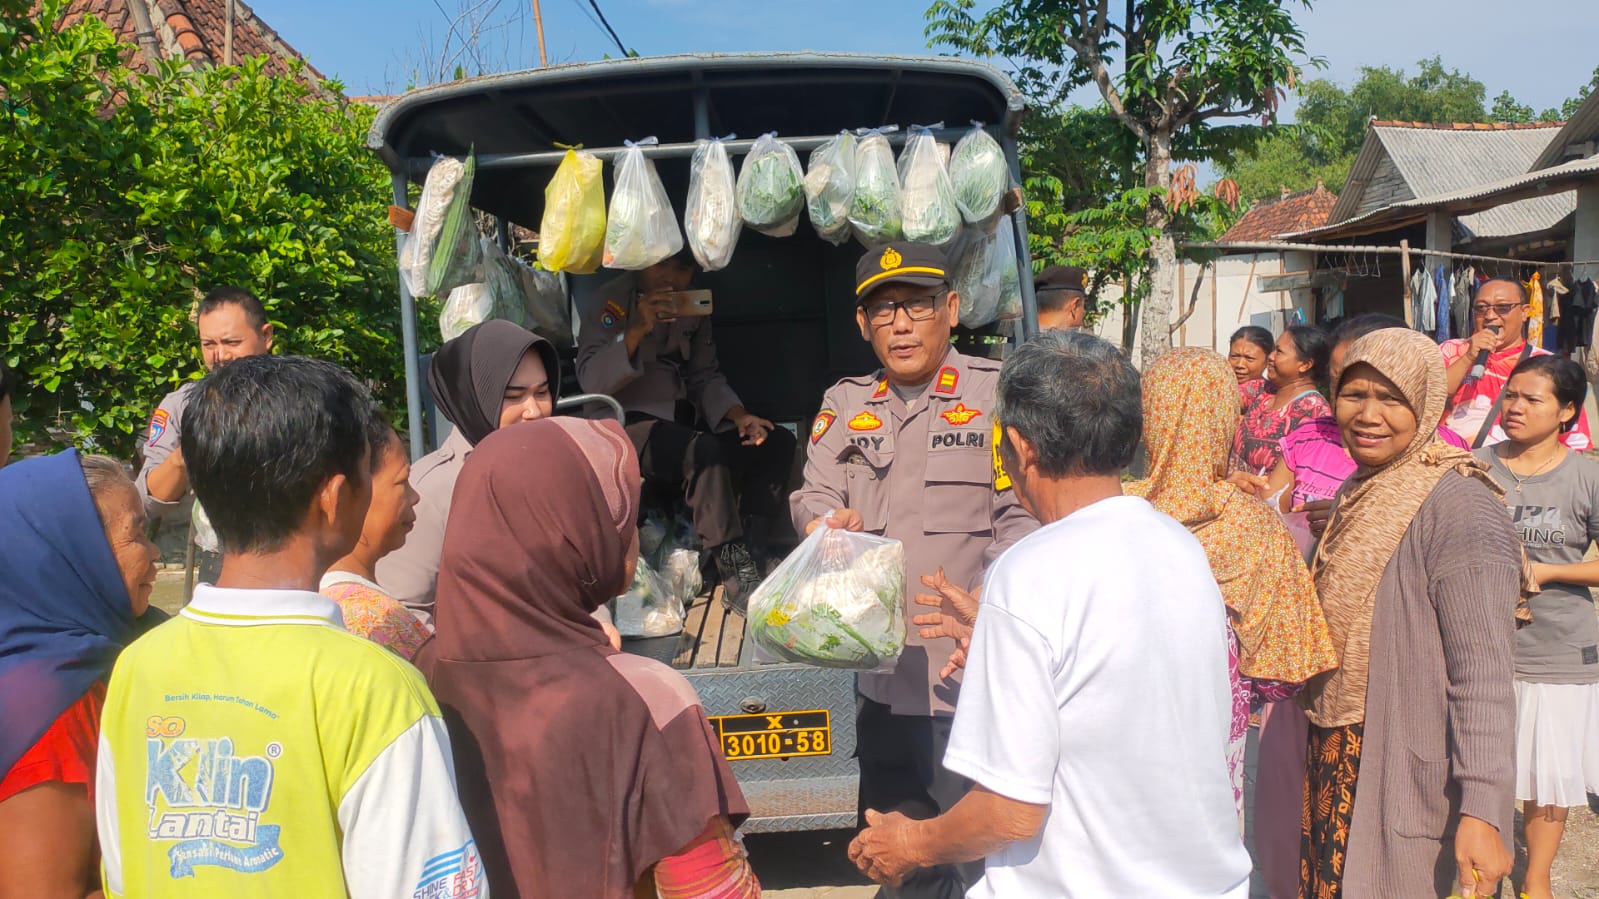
{"x":538,"y":26}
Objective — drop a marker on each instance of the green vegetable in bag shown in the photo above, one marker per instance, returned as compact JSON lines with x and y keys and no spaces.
{"x":875,"y":210}
{"x":830,"y":186}
{"x":980,"y":176}
{"x":837,"y":601}
{"x":441,"y":251}
{"x":926,"y":194}
{"x":771,"y":187}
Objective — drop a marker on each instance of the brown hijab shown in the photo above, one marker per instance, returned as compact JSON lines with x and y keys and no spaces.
{"x":1375,"y":508}
{"x":578,"y":767}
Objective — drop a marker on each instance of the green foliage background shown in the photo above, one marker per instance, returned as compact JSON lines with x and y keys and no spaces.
{"x":125,"y":197}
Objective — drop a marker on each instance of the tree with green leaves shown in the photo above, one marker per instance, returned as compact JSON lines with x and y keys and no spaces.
{"x":124,"y":197}
{"x":1186,"y":67}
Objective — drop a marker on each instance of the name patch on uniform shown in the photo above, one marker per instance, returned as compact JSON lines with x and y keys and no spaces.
{"x":1001,"y":479}
{"x":960,"y":415}
{"x":865,"y":421}
{"x":824,"y":420}
{"x":158,"y":425}
{"x":948,"y":380}
{"x":612,"y":315}
{"x":945,"y":439}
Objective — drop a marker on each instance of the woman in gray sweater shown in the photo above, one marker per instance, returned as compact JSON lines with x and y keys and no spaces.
{"x":1410,"y":781}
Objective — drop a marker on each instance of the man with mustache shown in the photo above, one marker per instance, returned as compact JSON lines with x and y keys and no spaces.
{"x":907,"y":453}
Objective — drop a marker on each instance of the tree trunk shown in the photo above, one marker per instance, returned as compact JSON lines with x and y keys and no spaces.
{"x":1155,"y":320}
{"x":1130,"y":309}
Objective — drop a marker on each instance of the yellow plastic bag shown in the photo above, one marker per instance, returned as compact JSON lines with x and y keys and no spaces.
{"x":572,"y":233}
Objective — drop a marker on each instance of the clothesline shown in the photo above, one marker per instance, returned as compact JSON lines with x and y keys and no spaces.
{"x":1372,"y":249}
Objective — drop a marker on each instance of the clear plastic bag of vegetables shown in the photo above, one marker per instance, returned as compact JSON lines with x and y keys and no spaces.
{"x":975,"y":273}
{"x":441,"y":252}
{"x":649,"y":608}
{"x":1004,"y":262}
{"x":875,"y":210}
{"x":771,"y":187}
{"x":711,"y":216}
{"x":572,"y":229}
{"x":927,"y":197}
{"x":496,"y":295}
{"x":837,"y":601}
{"x":980,"y":175}
{"x":640,"y":227}
{"x":829,"y":187}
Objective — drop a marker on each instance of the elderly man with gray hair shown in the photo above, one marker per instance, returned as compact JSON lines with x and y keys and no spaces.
{"x":1096,"y":706}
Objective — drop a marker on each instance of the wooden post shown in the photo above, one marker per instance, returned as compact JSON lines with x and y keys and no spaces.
{"x":1182,"y":280}
{"x":1404,"y":273}
{"x":538,"y":27}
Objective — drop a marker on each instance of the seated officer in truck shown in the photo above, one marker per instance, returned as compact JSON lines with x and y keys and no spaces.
{"x":906,"y":453}
{"x":723,"y":458}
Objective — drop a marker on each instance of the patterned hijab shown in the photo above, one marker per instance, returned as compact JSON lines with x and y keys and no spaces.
{"x":1374,"y":510}
{"x":1190,"y":414}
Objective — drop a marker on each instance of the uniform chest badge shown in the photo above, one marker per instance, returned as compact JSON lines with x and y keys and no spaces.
{"x":612,"y":315}
{"x":158,"y":426}
{"x":948,"y":380}
{"x":960,"y":415}
{"x":824,"y":420}
{"x":865,"y":421}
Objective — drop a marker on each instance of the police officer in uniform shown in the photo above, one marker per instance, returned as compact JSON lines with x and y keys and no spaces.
{"x":907,"y":453}
{"x":636,"y":349}
{"x":1063,"y":302}
{"x":232,"y":324}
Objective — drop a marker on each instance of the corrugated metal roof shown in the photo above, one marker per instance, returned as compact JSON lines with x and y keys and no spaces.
{"x":1583,"y":127}
{"x":1560,"y":181}
{"x":1438,"y":161}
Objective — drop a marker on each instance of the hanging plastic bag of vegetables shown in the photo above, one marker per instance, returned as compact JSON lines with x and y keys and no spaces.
{"x":974,"y":273}
{"x":711,"y":217}
{"x":572,"y":230}
{"x":980,"y":175}
{"x":829,"y":187}
{"x":496,"y":294}
{"x":927,"y":197}
{"x":874,"y":210}
{"x":771,"y":187}
{"x":441,"y":252}
{"x":640,"y":228}
{"x":1004,"y":262}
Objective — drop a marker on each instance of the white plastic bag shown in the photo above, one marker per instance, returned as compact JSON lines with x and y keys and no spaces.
{"x":711,"y":216}
{"x":837,"y":601}
{"x":1297,"y":523}
{"x":640,"y":227}
{"x":497,"y":294}
{"x":441,"y":249}
{"x":975,"y":274}
{"x":1004,"y":262}
{"x":980,"y":176}
{"x":927,"y":197}
{"x":829,"y":187}
{"x":648,"y":608}
{"x":771,"y":187}
{"x":875,"y":214}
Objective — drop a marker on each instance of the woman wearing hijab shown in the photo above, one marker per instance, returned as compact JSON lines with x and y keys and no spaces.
{"x":1413,"y":737}
{"x":1279,"y":637}
{"x":584,"y":772}
{"x":493,"y":375}
{"x":78,"y":574}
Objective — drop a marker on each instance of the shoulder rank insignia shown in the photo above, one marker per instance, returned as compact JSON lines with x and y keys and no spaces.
{"x":824,"y":420}
{"x":881,"y":391}
{"x":948,"y":379}
{"x":612,"y":315}
{"x":960,"y":415}
{"x":865,"y":421}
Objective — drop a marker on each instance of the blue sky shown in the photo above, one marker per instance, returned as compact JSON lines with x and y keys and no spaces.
{"x":1538,"y":49}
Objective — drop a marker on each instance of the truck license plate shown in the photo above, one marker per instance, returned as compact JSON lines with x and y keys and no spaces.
{"x":774,"y":735}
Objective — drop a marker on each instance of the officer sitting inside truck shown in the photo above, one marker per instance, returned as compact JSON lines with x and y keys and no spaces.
{"x":640,"y":348}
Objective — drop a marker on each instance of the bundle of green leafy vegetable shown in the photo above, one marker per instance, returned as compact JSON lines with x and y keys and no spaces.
{"x":771,"y":187}
{"x":931,"y":214}
{"x":875,"y":209}
{"x":441,"y":251}
{"x":835,"y":602}
{"x":980,"y":176}
{"x":830,"y":186}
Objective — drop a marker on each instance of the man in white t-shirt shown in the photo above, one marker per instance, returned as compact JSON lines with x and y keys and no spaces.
{"x":1095,"y":712}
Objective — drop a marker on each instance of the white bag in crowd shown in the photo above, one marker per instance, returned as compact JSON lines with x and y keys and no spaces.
{"x":711,"y":217}
{"x":640,"y":227}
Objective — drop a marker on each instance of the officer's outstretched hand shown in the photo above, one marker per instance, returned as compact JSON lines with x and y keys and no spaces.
{"x":956,"y":624}
{"x":842,"y":519}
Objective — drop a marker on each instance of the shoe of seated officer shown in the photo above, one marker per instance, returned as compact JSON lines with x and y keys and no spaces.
{"x":739,"y":575}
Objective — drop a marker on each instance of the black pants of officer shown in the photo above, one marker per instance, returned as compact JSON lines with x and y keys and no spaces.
{"x":720,"y":477}
{"x":902,"y":770}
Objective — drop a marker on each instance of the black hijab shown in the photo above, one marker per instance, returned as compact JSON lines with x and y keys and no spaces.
{"x":469,"y":374}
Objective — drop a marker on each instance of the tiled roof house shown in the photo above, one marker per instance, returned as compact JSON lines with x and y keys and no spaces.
{"x":193,"y":30}
{"x":1289,"y":213}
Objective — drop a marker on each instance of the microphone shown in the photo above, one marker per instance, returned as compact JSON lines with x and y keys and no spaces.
{"x":1481,"y":365}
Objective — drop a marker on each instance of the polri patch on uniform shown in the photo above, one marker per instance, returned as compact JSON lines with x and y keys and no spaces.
{"x":158,"y":426}
{"x":948,"y":380}
{"x":960,"y":415}
{"x":865,"y":421}
{"x":824,"y":420}
{"x":612,"y":315}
